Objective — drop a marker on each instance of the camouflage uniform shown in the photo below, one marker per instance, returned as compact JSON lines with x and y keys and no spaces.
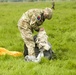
{"x":30,"y":20}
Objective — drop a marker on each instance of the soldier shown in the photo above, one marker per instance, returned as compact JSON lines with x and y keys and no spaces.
{"x":31,"y":20}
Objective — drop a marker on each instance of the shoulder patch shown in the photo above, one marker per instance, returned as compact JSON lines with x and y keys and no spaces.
{"x":38,"y":18}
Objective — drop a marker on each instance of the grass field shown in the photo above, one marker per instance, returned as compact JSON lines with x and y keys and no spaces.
{"x":61,"y":30}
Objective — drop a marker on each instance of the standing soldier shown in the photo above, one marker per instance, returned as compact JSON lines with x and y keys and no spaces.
{"x":31,"y":20}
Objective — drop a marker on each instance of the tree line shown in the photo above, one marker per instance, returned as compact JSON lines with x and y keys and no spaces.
{"x":31,"y":0}
{"x":22,"y":0}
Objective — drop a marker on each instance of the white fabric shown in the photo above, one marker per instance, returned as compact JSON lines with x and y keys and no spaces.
{"x":42,"y":40}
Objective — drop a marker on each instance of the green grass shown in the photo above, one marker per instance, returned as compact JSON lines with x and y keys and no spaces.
{"x":61,"y":30}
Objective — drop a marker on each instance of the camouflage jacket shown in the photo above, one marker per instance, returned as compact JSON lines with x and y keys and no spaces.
{"x":34,"y":17}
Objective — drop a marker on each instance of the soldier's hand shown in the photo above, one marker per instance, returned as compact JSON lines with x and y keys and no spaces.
{"x":41,"y":29}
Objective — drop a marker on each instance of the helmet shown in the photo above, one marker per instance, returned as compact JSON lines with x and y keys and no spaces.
{"x":48,"y":12}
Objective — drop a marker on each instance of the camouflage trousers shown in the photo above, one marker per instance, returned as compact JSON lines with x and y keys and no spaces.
{"x":27,"y":36}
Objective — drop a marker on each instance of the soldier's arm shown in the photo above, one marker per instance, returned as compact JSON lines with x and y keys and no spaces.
{"x":33,"y":23}
{"x":33,"y":20}
{"x":37,"y":28}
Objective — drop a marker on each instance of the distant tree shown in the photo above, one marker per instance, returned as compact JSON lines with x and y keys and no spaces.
{"x":2,"y":1}
{"x":30,"y":0}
